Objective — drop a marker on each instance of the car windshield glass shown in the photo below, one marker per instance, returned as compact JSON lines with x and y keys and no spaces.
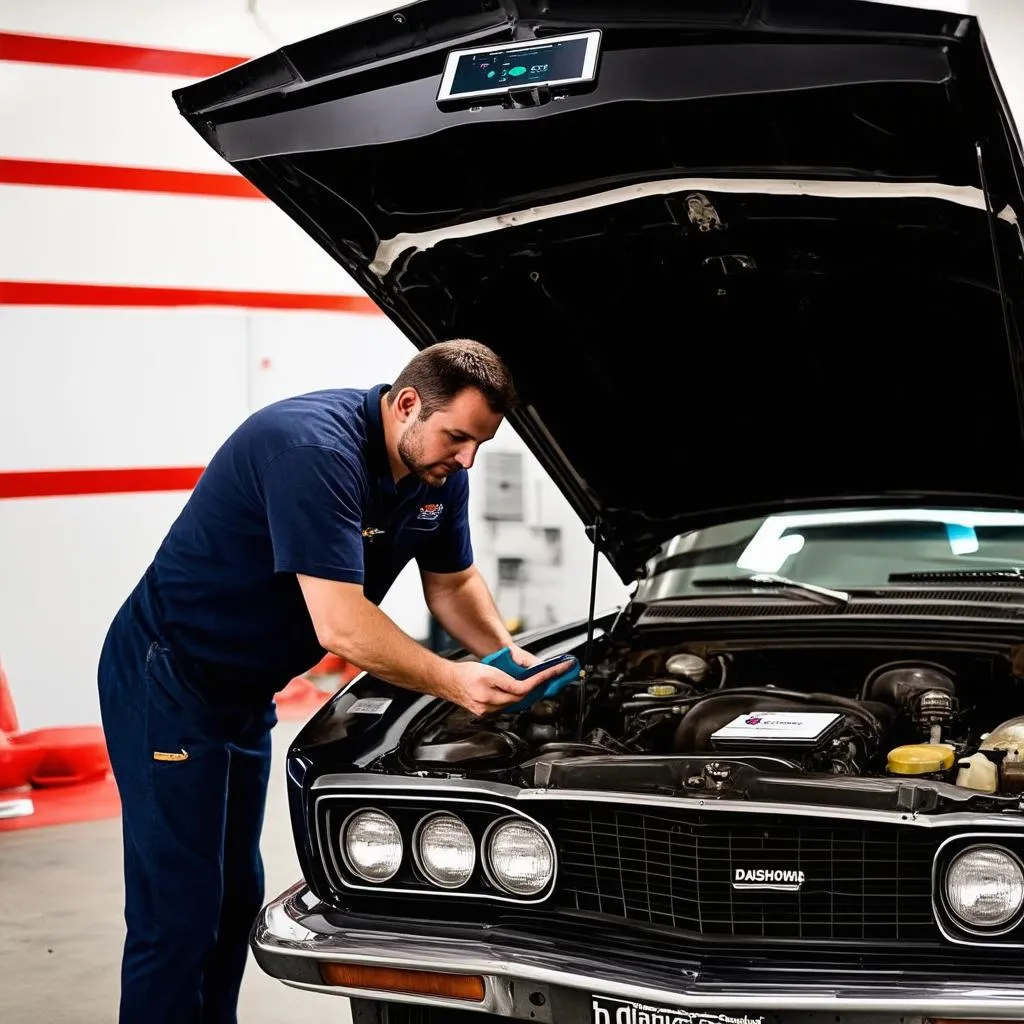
{"x":837,"y":548}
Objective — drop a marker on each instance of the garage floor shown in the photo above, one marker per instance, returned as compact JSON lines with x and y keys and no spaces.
{"x":61,"y":927}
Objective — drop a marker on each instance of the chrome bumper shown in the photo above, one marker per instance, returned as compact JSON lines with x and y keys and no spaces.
{"x":291,"y":938}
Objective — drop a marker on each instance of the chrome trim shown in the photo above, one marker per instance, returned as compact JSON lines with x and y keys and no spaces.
{"x":417,"y":856}
{"x":938,"y":897}
{"x":344,"y":853}
{"x":374,"y":793}
{"x":485,"y":857}
{"x":384,"y":785}
{"x":504,"y":968}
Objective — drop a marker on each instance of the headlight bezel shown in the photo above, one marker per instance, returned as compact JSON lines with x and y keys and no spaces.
{"x":409,"y":811}
{"x":952,"y":927}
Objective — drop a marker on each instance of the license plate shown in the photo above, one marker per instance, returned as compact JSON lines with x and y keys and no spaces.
{"x":628,"y":1011}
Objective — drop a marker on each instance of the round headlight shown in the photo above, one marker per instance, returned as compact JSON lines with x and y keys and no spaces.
{"x":519,"y":857}
{"x":372,"y":845}
{"x":446,"y":851}
{"x":985,"y":887}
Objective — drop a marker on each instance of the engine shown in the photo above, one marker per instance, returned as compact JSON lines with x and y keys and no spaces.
{"x":825,"y":713}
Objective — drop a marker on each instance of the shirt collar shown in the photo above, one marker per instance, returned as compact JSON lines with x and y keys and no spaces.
{"x":376,"y":448}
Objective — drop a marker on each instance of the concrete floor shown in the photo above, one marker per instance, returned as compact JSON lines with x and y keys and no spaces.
{"x":61,"y":924}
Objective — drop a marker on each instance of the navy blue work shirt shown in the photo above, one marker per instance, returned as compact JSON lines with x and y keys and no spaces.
{"x":302,"y":486}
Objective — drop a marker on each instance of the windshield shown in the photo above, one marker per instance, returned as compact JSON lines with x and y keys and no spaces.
{"x":837,"y":548}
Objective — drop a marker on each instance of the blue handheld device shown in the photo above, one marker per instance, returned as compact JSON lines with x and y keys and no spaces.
{"x":503,"y":659}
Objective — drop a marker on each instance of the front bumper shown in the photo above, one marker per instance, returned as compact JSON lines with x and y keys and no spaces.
{"x":295,"y":934}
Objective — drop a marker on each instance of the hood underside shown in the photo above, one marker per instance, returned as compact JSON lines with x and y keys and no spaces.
{"x":770,"y":260}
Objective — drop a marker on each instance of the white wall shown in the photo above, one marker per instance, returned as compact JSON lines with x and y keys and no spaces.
{"x":93,"y":388}
{"x":143,"y":387}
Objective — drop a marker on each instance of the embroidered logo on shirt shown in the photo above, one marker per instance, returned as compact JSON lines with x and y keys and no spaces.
{"x":429,"y":512}
{"x":372,"y":531}
{"x":159,"y":755}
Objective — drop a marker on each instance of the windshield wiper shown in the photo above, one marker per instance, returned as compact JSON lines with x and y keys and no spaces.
{"x":1010,"y":575}
{"x":766,"y":579}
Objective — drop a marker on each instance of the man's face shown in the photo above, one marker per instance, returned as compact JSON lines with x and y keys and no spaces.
{"x":447,"y":441}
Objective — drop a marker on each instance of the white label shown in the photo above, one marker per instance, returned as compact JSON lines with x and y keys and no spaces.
{"x":370,"y":706}
{"x":777,"y":725}
{"x":627,"y":1011}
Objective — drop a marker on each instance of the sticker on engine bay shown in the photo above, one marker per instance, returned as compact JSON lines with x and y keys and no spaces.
{"x":370,"y":706}
{"x":777,"y":725}
{"x":626,"y":1011}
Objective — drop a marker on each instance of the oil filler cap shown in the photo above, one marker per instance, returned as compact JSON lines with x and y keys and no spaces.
{"x":920,"y":759}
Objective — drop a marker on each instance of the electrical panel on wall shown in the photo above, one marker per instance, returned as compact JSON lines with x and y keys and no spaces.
{"x":503,"y":487}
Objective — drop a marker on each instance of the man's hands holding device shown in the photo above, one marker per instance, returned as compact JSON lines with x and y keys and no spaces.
{"x":482,"y":688}
{"x":350,"y":626}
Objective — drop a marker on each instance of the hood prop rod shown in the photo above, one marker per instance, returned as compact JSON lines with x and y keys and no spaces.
{"x":1013,"y":349}
{"x":587,"y":664}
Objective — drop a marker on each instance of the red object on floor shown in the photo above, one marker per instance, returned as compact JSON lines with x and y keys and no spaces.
{"x":17,"y":763}
{"x":300,"y":699}
{"x":71,"y":754}
{"x":65,"y":805}
{"x":334,"y":665}
{"x":64,"y":771}
{"x":8,"y":713}
{"x":328,"y":665}
{"x":64,"y":755}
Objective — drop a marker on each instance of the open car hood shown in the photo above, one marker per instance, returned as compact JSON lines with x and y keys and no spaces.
{"x":770,"y":259}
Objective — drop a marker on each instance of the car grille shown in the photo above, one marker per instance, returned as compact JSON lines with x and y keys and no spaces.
{"x":862,"y":881}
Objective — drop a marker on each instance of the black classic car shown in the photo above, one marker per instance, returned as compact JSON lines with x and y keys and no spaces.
{"x":756,"y":266}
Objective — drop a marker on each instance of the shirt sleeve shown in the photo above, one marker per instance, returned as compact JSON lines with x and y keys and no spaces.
{"x":449,"y":548}
{"x":314,"y":502}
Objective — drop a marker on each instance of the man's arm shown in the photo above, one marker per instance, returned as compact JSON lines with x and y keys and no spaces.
{"x":462,"y":603}
{"x":349,"y":625}
{"x":455,"y":591}
{"x":314,"y":498}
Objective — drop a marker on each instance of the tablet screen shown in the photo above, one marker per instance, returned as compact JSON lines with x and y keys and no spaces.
{"x":559,"y":60}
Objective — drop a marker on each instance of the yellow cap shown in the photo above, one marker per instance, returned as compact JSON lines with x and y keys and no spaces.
{"x":920,"y":758}
{"x":661,"y":690}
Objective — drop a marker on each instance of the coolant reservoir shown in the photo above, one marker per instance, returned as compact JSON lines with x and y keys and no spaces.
{"x":978,"y":772}
{"x":920,"y":759}
{"x":1008,"y":736}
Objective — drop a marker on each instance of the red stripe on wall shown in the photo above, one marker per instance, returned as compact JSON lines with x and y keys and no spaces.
{"x":43,"y":293}
{"x":130,"y":179}
{"x":67,"y":482}
{"x":87,"y":53}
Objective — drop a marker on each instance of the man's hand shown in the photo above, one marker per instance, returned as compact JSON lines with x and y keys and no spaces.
{"x":521,"y":657}
{"x":481,"y":689}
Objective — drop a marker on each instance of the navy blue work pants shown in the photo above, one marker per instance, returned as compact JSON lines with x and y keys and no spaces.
{"x":192,"y":770}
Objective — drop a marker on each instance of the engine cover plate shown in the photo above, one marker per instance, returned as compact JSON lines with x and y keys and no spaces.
{"x":778,"y":729}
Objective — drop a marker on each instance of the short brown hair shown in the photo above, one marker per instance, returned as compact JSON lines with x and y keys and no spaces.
{"x":442,"y":370}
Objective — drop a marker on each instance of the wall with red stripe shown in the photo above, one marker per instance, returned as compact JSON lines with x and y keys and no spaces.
{"x":150,"y":299}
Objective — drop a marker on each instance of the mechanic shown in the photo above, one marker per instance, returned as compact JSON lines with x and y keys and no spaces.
{"x":294,"y":533}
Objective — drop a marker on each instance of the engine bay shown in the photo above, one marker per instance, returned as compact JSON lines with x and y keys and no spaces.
{"x":797,"y":723}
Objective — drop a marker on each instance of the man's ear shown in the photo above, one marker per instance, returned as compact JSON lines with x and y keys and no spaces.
{"x":406,"y":404}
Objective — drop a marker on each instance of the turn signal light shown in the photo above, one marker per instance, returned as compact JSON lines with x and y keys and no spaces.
{"x":397,"y":979}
